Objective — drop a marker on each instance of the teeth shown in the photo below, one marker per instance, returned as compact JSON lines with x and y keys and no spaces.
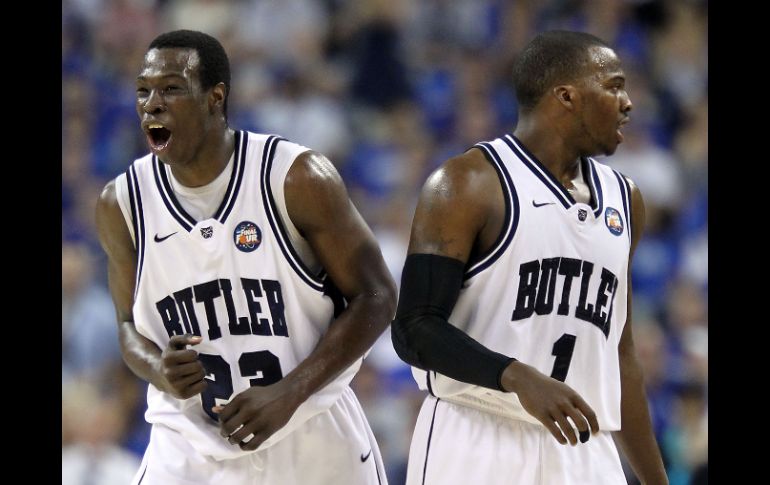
{"x":155,"y":125}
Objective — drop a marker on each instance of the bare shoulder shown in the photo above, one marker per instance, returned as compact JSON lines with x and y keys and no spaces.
{"x":110,"y":224}
{"x":636,"y":194}
{"x":459,"y":207}
{"x":312,"y":171}
{"x":467,"y":174}
{"x":107,"y":206}
{"x":314,"y":191}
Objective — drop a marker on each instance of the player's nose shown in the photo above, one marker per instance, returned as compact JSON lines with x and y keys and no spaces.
{"x":154,"y":103}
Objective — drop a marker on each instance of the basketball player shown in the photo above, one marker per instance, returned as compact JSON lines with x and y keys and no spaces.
{"x":515,"y":300}
{"x":247,"y":289}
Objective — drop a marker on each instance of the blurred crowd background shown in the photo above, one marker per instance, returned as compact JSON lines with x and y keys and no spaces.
{"x":388,"y":89}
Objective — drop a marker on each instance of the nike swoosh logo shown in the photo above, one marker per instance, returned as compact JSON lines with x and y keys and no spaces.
{"x":161,"y":239}
{"x":541,"y":205}
{"x":364,"y":458}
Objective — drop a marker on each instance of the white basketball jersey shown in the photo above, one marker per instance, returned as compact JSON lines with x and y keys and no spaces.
{"x":234,"y":279}
{"x":552,"y":290}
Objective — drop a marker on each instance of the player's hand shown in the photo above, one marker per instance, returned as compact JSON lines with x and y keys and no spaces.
{"x":181,"y":372}
{"x":551,"y":402}
{"x":258,"y":411}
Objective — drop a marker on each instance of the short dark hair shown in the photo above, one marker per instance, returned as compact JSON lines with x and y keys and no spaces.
{"x":214,"y":64}
{"x":551,"y":58}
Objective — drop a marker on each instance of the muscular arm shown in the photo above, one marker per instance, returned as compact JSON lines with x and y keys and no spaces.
{"x":636,"y":437}
{"x":460,"y":211}
{"x":318,"y":205}
{"x":175,"y":370}
{"x":456,"y":205}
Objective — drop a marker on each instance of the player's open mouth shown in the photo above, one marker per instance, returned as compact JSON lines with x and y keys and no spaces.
{"x":158,"y":136}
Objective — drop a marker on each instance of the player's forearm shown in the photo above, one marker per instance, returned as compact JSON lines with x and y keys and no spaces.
{"x":348,"y":338}
{"x":636,"y":437}
{"x":429,"y":342}
{"x":140,"y":354}
{"x":422,"y":335}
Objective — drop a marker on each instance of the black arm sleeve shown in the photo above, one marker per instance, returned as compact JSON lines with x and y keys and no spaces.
{"x":422,"y":334}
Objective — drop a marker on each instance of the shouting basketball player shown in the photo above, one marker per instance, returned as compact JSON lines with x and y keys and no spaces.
{"x":247,"y":289}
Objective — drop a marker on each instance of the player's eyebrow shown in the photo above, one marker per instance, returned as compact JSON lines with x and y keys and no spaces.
{"x":162,"y":76}
{"x":617,"y":77}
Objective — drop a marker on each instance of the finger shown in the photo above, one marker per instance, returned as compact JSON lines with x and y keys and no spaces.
{"x":555,"y":431}
{"x":178,"y":342}
{"x":217,"y":409}
{"x":580,"y":422}
{"x":229,"y":426}
{"x":229,"y":409}
{"x":187,"y":381}
{"x":246,"y":431}
{"x":177,"y":357}
{"x":254,"y":442}
{"x":194,"y":389}
{"x":566,"y":428}
{"x":183,"y":370}
{"x":227,"y":436}
{"x":174,"y":372}
{"x":587,"y":412}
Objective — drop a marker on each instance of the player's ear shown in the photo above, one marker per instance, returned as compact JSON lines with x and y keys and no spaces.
{"x":217,"y":97}
{"x":565,"y":94}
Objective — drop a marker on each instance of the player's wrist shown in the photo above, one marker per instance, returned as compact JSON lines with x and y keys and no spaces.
{"x":297,"y":389}
{"x":157,"y":376}
{"x":501,"y":374}
{"x":513,"y":375}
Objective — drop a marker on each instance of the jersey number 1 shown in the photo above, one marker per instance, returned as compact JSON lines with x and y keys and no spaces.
{"x":263,"y":366}
{"x":562,"y":349}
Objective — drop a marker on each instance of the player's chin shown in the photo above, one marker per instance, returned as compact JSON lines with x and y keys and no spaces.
{"x":611,"y":147}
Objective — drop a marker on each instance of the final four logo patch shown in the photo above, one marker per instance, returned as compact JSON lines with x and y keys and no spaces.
{"x":613,"y":221}
{"x":247,"y":236}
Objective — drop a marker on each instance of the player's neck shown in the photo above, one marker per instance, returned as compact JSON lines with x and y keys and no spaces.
{"x":212,"y":159}
{"x":550,"y":148}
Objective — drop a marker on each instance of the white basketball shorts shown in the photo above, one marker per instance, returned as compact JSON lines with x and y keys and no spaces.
{"x":334,"y":447}
{"x":458,"y":445}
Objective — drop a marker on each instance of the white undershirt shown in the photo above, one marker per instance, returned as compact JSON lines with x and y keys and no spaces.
{"x":581,"y":192}
{"x":202,"y":202}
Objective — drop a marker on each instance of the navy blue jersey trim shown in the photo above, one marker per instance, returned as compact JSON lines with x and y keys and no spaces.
{"x":132,"y":203}
{"x":595,"y":185}
{"x":273,"y":216}
{"x":427,"y":379}
{"x":377,"y":469}
{"x":630,"y":211}
{"x":512,"y":212}
{"x":335,"y":294}
{"x":239,"y":159}
{"x":537,"y":168}
{"x":171,"y":196}
{"x":139,"y":222}
{"x":168,"y":199}
{"x":625,"y":195}
{"x":142,"y":477}
{"x":430,"y":435}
